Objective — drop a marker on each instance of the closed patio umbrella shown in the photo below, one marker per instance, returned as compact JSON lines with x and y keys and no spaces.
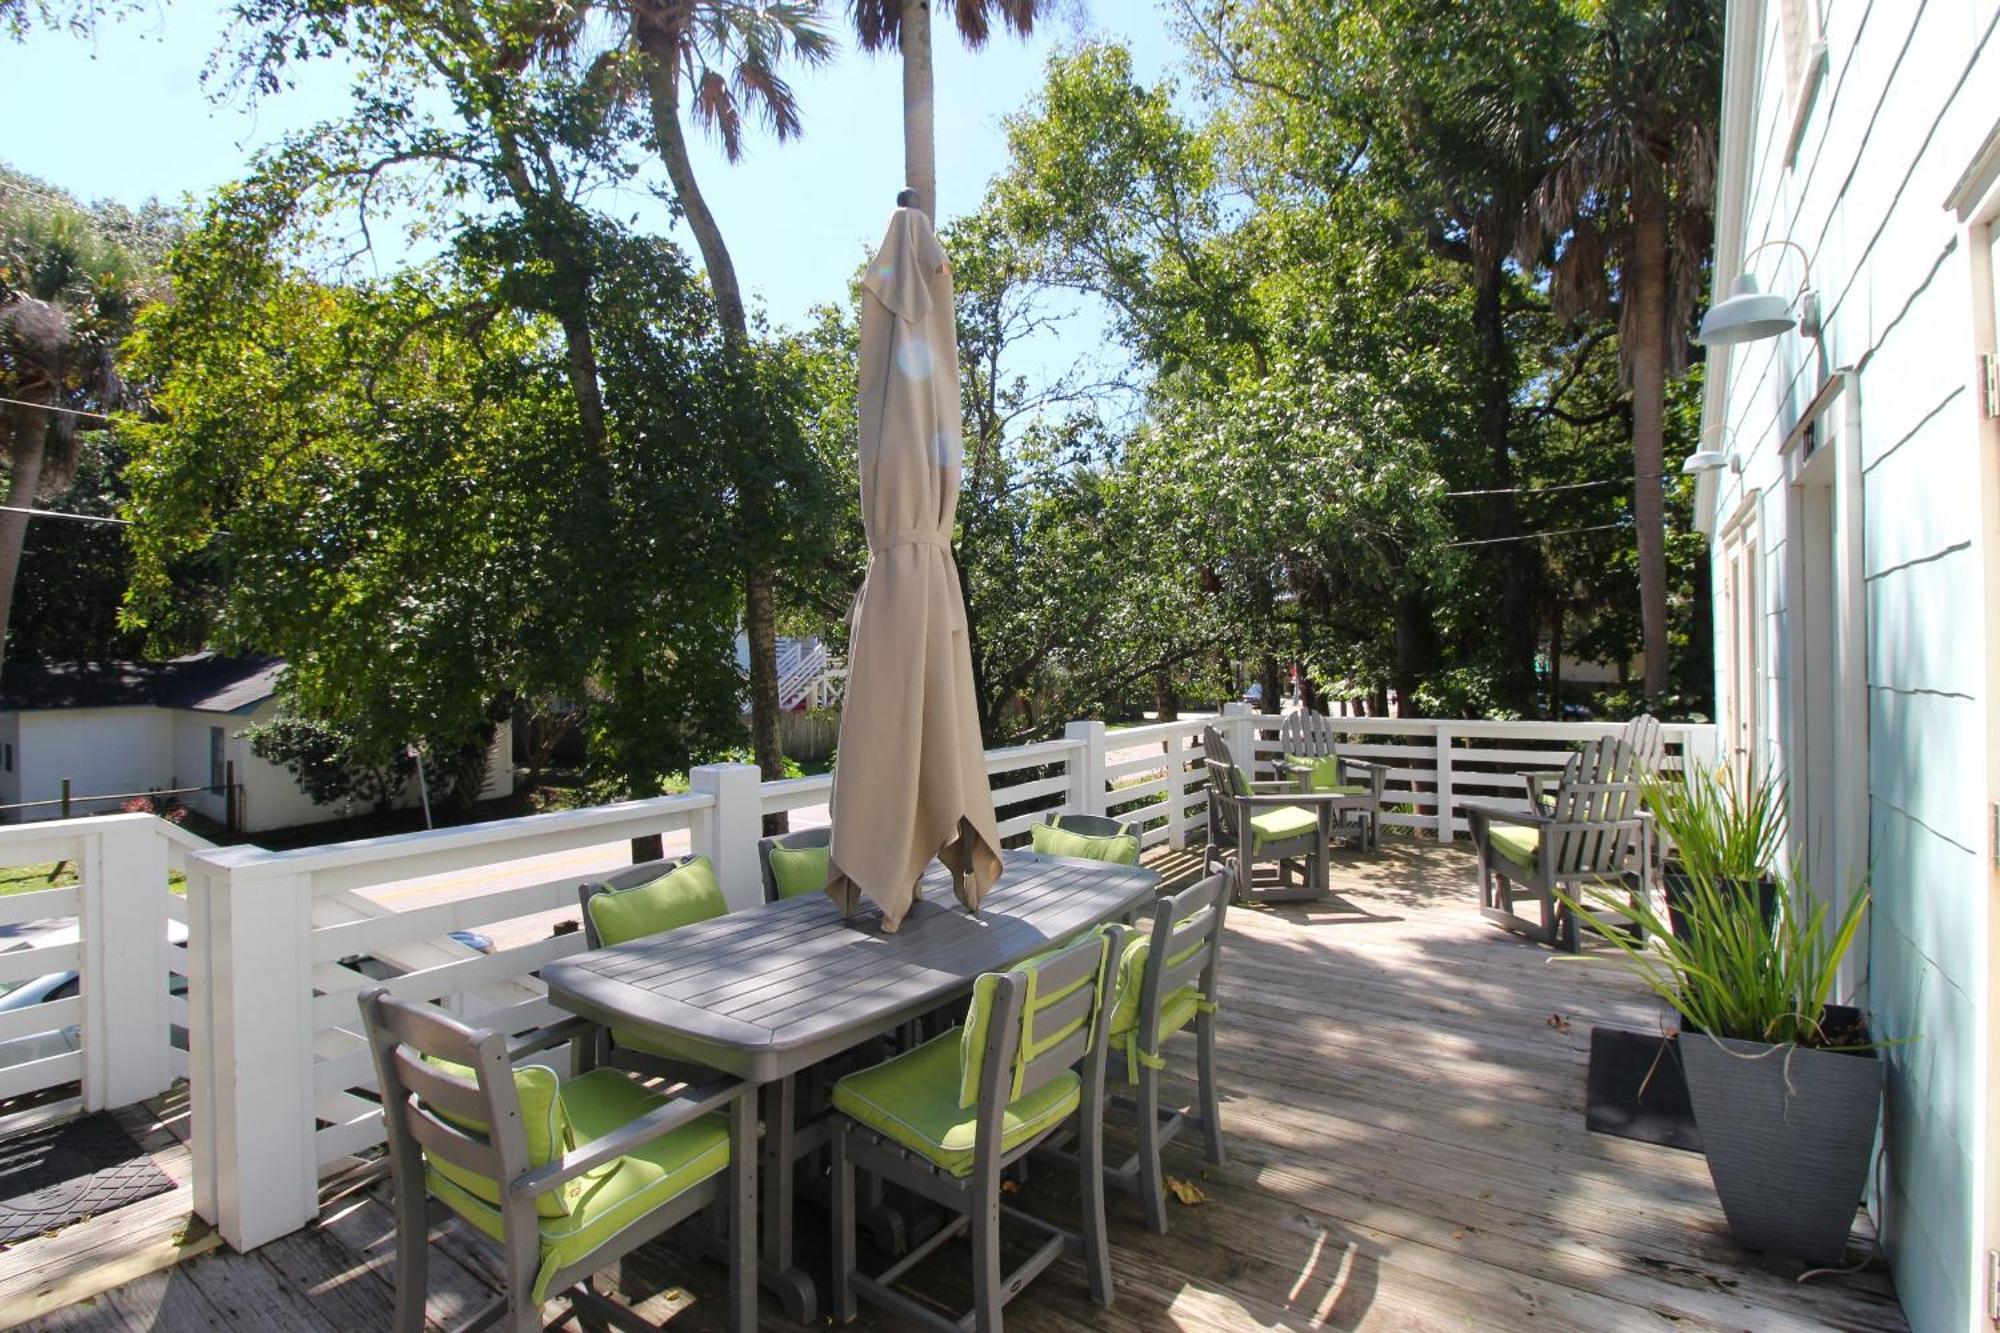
{"x":910,"y":780}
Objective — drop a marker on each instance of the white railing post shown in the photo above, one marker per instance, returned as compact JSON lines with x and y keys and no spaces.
{"x":1177,"y":790}
{"x":256,"y":1173}
{"x":727,"y":832}
{"x":122,"y":919}
{"x":1239,"y":732}
{"x":1086,"y":768}
{"x":1446,"y":827}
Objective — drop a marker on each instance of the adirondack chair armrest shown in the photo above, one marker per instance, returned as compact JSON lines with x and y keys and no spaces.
{"x":1541,"y":785}
{"x":1480,"y":816}
{"x":554,"y":1034}
{"x":1376,"y":773}
{"x":683,"y":1108}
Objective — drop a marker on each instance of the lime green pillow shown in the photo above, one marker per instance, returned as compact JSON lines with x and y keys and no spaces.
{"x":1239,"y":781}
{"x":543,"y":1121}
{"x":1117,"y":848}
{"x":680,"y":897}
{"x":798,"y":870}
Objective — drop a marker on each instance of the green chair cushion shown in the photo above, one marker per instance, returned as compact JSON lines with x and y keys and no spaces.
{"x":799,"y":870}
{"x":1176,"y":1013}
{"x":543,"y":1122}
{"x":1132,"y":982}
{"x":620,"y":1193}
{"x":1515,"y":844}
{"x":1239,"y":781}
{"x":913,"y":1100}
{"x":1118,"y":849}
{"x":1283,"y":824}
{"x":680,"y":897}
{"x":980,"y":1012}
{"x":1326,"y":776}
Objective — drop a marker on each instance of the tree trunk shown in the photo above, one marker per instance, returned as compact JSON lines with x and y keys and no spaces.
{"x":1646,"y":350}
{"x":1166,"y":700}
{"x":760,"y":614}
{"x":919,"y":120}
{"x":24,"y":472}
{"x":1517,"y":561}
{"x":1556,"y":663}
{"x":1416,"y":647}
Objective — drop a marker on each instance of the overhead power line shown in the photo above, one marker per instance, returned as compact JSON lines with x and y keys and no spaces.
{"x":1537,"y":536}
{"x":74,"y":518}
{"x":50,"y":407}
{"x":1564,"y":486}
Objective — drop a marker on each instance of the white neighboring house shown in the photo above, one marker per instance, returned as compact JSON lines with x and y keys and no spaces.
{"x":1853,"y":503}
{"x":131,"y":727}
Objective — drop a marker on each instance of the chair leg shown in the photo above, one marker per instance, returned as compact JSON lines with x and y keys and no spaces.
{"x":1090,"y":1182}
{"x":843,"y":1231}
{"x":1152,"y":1180}
{"x":988,"y":1278}
{"x":412,"y":1260}
{"x":1211,"y":1101}
{"x":743,"y":1214}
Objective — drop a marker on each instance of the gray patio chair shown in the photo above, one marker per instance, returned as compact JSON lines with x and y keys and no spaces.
{"x":1649,"y":748}
{"x":568,"y":1176}
{"x":692,"y":897}
{"x":794,"y":875}
{"x":946,"y":1120}
{"x":1253,"y":823}
{"x":1167,"y":979}
{"x":1594,"y":832}
{"x":1311,"y":738}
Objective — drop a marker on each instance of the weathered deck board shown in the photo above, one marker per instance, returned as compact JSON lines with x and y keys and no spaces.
{"x":1407,"y":1151}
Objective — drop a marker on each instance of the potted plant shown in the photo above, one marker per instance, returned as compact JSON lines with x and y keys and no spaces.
{"x":1786,"y":1086}
{"x":1719,"y":832}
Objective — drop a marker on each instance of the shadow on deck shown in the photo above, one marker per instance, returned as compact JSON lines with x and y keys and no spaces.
{"x":1403,"y":1091}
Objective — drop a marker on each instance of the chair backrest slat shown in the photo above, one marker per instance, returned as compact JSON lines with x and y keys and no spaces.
{"x":1185,"y":947}
{"x":442,"y":1091}
{"x":1055,"y":1017}
{"x":1306,"y":734}
{"x":1221,"y":770}
{"x":1049,"y":1064}
{"x":1647,"y":742}
{"x":1595,"y":805}
{"x":459,"y":1147}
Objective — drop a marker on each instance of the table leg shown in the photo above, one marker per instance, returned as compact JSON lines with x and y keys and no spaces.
{"x":785,"y":1279}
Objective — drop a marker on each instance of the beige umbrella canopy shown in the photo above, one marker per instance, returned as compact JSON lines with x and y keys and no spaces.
{"x":910,"y":782}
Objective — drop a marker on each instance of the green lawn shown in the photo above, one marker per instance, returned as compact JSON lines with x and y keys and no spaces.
{"x":31,"y":879}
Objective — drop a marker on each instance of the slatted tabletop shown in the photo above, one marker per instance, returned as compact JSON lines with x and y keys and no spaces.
{"x":766,"y":992}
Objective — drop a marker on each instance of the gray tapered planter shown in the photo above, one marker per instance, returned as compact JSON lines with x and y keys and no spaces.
{"x":1789,"y":1162}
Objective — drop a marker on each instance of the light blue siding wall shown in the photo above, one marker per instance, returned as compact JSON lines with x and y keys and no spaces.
{"x":1910,"y":92}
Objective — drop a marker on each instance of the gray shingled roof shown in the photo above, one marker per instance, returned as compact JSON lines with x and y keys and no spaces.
{"x":201,"y":681}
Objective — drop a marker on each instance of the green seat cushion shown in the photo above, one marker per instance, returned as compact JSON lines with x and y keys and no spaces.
{"x":1282,"y":825}
{"x":681,"y":897}
{"x":1515,"y":844}
{"x":913,"y":1100}
{"x":623,"y":1191}
{"x":543,"y":1123}
{"x":1117,"y":848}
{"x":1176,"y":1012}
{"x":799,"y":870}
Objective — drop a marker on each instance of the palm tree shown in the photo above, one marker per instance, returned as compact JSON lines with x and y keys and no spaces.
{"x":67,"y":295}
{"x":907,"y":25}
{"x":724,"y":56}
{"x":1630,"y":197}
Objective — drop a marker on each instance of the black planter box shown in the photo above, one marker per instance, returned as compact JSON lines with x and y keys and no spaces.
{"x":1787,"y":1131}
{"x":1678,"y":887}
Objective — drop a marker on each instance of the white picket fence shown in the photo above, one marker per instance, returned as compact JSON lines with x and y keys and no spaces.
{"x":280,"y":942}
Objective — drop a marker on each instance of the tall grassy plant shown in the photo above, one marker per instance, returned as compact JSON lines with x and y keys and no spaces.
{"x":1728,"y":975}
{"x":1718,"y":828}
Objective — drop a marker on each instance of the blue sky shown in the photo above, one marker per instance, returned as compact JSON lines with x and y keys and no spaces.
{"x":124,"y":116}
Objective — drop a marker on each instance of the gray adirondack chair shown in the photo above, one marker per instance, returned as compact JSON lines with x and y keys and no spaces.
{"x":1311,"y":736}
{"x":1593,"y":833}
{"x":1649,"y":748}
{"x":1237,"y":839}
{"x":457,"y":1130}
{"x":896,"y":1126}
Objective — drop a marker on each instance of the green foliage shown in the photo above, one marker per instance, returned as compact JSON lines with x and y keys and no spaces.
{"x":1721,"y":830}
{"x":327,"y":764}
{"x":1726,"y":974}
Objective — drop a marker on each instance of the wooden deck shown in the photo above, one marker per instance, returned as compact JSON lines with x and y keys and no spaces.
{"x":1403,"y":1089}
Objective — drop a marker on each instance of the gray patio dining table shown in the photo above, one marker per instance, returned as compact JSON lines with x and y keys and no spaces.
{"x":769,"y":991}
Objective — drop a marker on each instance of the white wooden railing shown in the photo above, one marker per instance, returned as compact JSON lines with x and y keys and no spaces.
{"x":279,"y":943}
